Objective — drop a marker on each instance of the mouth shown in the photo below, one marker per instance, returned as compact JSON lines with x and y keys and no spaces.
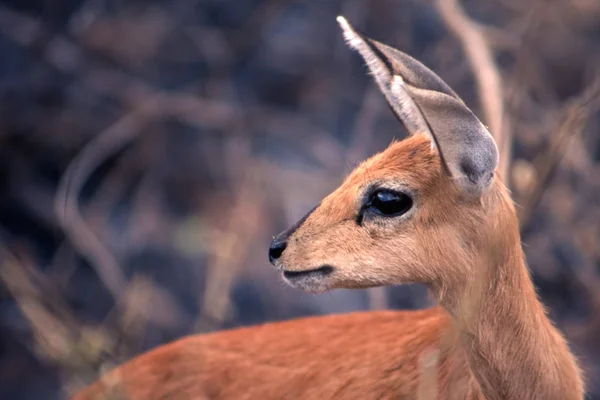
{"x":310,"y":273}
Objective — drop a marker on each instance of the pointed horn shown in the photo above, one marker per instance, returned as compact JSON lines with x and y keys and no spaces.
{"x":424,"y":103}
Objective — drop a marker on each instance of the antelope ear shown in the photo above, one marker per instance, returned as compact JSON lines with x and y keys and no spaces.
{"x":424,"y":103}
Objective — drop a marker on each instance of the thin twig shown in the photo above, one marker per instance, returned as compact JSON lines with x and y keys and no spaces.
{"x":224,"y":262}
{"x":66,"y":205}
{"x":489,"y":81}
{"x":427,"y":388}
{"x":52,"y":337}
{"x":574,"y":121}
{"x":57,"y":335}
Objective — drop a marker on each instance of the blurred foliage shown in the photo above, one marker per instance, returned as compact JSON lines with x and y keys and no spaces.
{"x":149,"y":150}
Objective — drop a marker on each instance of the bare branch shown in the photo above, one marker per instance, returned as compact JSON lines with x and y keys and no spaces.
{"x":66,"y":204}
{"x":489,"y":81}
{"x":573,"y":122}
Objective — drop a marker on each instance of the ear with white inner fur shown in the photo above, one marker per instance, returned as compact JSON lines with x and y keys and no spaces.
{"x":425,"y":103}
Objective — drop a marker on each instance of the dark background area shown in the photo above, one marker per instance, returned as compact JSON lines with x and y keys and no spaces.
{"x":149,"y":150}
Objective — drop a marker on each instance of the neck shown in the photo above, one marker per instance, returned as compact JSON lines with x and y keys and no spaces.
{"x":511,"y":347}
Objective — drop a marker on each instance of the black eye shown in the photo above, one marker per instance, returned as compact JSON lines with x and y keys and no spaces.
{"x":389,"y":203}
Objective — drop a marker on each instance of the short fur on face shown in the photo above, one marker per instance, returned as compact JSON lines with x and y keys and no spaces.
{"x":431,"y":243}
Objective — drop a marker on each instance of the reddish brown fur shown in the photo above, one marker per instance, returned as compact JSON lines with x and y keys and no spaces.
{"x":492,"y":333}
{"x":356,"y":356}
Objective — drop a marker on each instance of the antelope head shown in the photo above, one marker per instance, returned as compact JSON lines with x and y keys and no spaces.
{"x":412,"y":213}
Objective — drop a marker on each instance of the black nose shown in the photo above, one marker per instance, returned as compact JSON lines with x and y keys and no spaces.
{"x":276,"y":249}
{"x":279,"y":243}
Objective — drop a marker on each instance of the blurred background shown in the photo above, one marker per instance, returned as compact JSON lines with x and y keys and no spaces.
{"x":149,"y":151}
